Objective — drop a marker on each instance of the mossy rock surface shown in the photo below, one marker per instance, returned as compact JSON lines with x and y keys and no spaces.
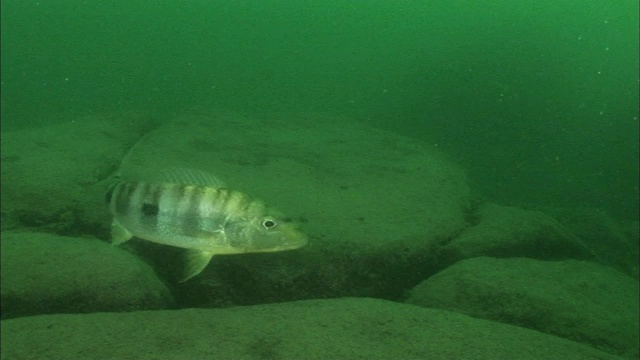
{"x":45,"y":273}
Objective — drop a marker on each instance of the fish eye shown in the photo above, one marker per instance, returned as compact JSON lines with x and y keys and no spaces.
{"x":268,"y":223}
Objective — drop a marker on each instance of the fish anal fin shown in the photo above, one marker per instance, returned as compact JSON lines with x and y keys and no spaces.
{"x":119,"y":234}
{"x":196,"y":261}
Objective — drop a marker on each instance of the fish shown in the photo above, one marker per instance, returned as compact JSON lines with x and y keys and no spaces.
{"x":194,"y":210}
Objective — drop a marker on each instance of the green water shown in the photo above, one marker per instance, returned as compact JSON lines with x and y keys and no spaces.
{"x":538,"y":100}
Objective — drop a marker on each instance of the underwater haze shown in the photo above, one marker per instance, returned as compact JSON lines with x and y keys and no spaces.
{"x":319,"y":179}
{"x":538,"y":100}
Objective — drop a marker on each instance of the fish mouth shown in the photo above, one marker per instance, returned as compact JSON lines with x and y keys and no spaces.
{"x":290,"y":244}
{"x":298,"y":243}
{"x":294,"y":239}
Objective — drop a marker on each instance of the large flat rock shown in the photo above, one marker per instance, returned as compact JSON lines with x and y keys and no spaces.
{"x":315,"y":329}
{"x":348,"y":183}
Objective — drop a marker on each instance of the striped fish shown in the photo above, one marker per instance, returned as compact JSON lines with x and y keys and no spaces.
{"x":193,"y":210}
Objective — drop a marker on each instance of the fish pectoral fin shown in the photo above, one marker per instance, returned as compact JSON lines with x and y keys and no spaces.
{"x":196,"y":261}
{"x":119,"y":234}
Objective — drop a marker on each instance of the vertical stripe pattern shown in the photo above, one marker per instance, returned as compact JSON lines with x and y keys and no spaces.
{"x":180,"y":209}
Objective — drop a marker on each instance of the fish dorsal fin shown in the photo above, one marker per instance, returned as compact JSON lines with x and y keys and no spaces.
{"x":189,"y":176}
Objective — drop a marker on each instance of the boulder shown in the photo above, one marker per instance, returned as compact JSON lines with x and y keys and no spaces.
{"x":44,"y":273}
{"x":507,"y":231}
{"x":348,"y":328}
{"x":52,"y":175}
{"x":614,"y":242}
{"x":578,"y":300}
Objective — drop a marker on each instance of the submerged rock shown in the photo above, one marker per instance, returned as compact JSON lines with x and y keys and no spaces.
{"x":45,"y":273}
{"x":577,"y":300}
{"x":349,"y":328}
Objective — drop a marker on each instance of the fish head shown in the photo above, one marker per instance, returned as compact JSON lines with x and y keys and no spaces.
{"x":266,"y":234}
